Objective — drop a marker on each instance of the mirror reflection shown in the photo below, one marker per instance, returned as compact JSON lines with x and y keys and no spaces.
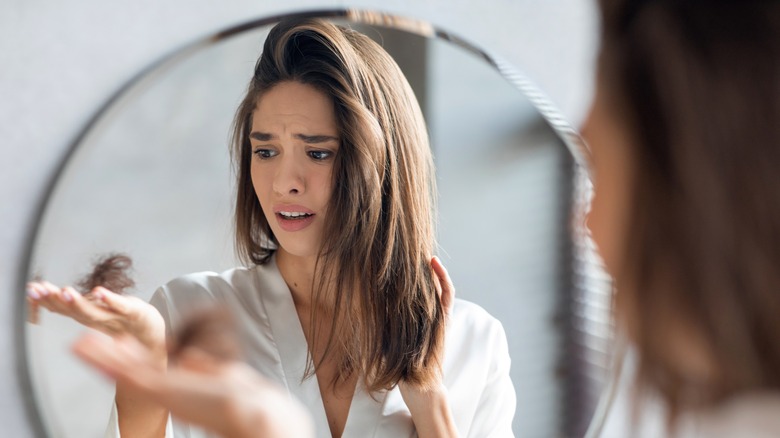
{"x":322,"y":164}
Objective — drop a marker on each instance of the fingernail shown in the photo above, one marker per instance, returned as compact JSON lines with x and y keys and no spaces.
{"x":44,"y":291}
{"x":97,"y":294}
{"x":66,"y":295}
{"x":32,"y":293}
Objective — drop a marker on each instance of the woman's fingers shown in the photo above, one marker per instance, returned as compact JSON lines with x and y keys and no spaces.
{"x":447,"y":289}
{"x":50,"y":297}
{"x":91,"y":314}
{"x":122,"y":359}
{"x":99,"y":352}
{"x":48,"y":288}
{"x":69,"y":302}
{"x":32,"y":311}
{"x":117,"y":303}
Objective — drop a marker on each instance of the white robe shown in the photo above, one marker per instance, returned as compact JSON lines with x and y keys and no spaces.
{"x":476,"y":359}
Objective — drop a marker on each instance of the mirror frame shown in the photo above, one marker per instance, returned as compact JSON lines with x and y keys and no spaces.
{"x":570,"y":137}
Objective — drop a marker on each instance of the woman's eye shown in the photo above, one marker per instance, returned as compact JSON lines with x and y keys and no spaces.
{"x":320,"y":155}
{"x":265,"y":154}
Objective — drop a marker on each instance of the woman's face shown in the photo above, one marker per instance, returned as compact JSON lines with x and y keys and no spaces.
{"x":612,"y":172}
{"x":294,"y":143}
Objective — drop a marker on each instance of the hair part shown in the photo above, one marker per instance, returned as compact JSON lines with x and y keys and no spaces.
{"x":374,"y":263}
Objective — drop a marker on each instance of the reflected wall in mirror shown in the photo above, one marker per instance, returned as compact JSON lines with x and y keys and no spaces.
{"x":151,"y":177}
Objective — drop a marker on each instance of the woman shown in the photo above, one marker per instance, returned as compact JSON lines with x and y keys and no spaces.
{"x":684,"y":136}
{"x":334,"y":211}
{"x":686,"y":212}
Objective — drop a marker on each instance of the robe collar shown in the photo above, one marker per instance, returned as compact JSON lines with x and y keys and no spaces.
{"x":365,"y":412}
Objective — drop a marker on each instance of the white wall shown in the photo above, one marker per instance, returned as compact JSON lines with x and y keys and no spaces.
{"x":59,"y":63}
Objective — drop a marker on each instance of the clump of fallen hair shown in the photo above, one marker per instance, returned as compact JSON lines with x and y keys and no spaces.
{"x":111,"y":272}
{"x":210,"y":330}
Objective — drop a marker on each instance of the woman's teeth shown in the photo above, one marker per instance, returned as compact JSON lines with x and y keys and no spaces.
{"x":294,"y":215}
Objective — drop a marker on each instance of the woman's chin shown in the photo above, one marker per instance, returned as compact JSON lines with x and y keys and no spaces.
{"x":297,"y":249}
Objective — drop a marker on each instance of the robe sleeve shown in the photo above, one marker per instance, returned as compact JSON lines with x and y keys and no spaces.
{"x":496,"y":405}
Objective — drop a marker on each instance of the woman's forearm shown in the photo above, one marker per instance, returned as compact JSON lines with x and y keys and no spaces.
{"x":139,"y":416}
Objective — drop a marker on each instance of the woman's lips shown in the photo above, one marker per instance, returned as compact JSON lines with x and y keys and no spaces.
{"x":293,"y":217}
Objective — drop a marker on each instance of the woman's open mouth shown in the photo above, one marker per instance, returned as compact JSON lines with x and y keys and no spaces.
{"x":294,"y":220}
{"x":294,"y":215}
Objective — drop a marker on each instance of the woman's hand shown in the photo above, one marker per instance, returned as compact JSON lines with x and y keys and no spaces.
{"x":102,"y":310}
{"x":430,"y":408}
{"x":444,"y":286}
{"x":227,"y":398}
{"x":118,"y":316}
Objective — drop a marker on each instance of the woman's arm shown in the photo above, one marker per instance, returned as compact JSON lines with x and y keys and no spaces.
{"x":115,"y":315}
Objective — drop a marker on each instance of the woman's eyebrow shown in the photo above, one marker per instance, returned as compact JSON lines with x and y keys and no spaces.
{"x":316,"y":138}
{"x":265,"y":136}
{"x":261,"y":136}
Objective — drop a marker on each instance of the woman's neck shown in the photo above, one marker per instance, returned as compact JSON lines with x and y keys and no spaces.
{"x":298,"y":273}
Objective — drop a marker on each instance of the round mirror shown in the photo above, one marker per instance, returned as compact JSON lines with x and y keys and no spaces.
{"x":151,"y":177}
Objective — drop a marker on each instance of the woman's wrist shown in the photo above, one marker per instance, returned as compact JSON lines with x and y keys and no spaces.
{"x":431,"y":412}
{"x":149,"y":329}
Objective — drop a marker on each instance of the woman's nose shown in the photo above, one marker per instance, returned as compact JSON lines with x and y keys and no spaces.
{"x":289,"y":178}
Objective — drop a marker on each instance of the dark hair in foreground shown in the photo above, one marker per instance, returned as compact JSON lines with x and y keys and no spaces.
{"x":212,"y":330}
{"x":379,"y":235}
{"x":698,"y":83}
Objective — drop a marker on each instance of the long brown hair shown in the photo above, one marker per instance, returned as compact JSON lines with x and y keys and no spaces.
{"x":379,"y":232}
{"x":699,"y":86}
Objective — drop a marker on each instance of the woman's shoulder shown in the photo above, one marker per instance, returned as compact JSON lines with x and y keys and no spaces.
{"x":208,"y":279}
{"x":236,"y":278}
{"x":754,"y":415}
{"x":238,"y":289}
{"x":476,"y":356}
{"x":237,"y":283}
{"x":473,"y":316}
{"x":474,"y":327}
